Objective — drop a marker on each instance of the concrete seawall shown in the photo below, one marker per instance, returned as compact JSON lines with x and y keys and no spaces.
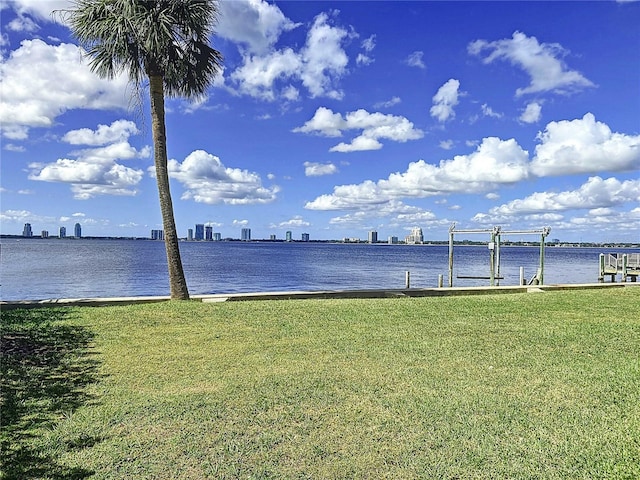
{"x":323,"y":294}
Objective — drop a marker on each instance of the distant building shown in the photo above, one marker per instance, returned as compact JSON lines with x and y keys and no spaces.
{"x":44,"y":234}
{"x":63,"y":232}
{"x":199,"y":231}
{"x":305,"y":237}
{"x":392,"y":240}
{"x":272,"y":237}
{"x":245,"y":234}
{"x":190,"y":234}
{"x":157,"y":234}
{"x":26,"y":231}
{"x":217,"y":237}
{"x":208,"y":233}
{"x":373,"y":236}
{"x":289,"y":236}
{"x":77,"y":230}
{"x":415,"y":237}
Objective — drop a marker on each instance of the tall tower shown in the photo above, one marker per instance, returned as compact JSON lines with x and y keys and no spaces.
{"x":289,"y":236}
{"x":208,"y":233}
{"x":373,"y":236}
{"x":77,"y":230}
{"x":245,"y":234}
{"x":63,"y":232}
{"x":27,"y":231}
{"x":199,"y":231}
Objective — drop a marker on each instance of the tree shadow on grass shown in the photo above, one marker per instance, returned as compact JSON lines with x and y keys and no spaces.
{"x":45,"y":369}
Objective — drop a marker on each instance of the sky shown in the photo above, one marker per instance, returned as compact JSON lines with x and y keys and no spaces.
{"x":338,"y":118}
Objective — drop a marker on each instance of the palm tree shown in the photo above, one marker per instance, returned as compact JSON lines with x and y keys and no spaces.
{"x":166,"y":42}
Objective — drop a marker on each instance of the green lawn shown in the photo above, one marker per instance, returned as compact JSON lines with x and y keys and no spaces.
{"x":520,"y":386}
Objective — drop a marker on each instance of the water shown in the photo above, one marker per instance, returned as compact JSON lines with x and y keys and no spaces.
{"x":52,"y":268}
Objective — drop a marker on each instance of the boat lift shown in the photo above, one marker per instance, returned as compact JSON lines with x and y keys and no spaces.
{"x":494,"y":252}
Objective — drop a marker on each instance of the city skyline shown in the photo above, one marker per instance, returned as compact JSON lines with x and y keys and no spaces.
{"x":518,"y":114}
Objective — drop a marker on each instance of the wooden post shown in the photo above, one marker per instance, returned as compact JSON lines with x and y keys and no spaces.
{"x":407,"y":281}
{"x":601,"y":275}
{"x":498,"y":259}
{"x":440,"y":281}
{"x":541,"y":269}
{"x":625,"y":266}
{"x":451,"y":255}
{"x":522,"y":282}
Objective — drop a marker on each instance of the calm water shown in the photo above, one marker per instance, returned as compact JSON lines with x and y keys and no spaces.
{"x":42,"y":269}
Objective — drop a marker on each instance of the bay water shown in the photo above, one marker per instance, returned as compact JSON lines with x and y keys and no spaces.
{"x":86,"y":268}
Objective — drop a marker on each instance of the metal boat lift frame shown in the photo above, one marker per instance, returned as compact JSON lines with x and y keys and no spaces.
{"x":494,"y":251}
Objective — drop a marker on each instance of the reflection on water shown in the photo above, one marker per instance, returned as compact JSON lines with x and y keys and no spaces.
{"x":36,"y":269}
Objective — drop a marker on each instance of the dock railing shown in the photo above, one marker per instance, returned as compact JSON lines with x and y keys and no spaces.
{"x":626,"y":264}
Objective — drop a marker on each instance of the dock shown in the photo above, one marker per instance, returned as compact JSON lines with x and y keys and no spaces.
{"x":613,"y":264}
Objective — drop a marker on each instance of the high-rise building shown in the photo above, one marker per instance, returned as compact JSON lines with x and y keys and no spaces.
{"x":272,"y":237}
{"x":190,"y":234}
{"x":305,"y":237}
{"x":44,"y":234}
{"x":392,"y":240}
{"x":245,"y":234}
{"x":157,"y":234}
{"x":208,"y":233}
{"x":373,"y":236}
{"x":77,"y":230}
{"x":199,"y":231}
{"x":63,"y":232}
{"x":415,"y":237}
{"x":217,"y":236}
{"x":289,"y":236}
{"x":27,"y":231}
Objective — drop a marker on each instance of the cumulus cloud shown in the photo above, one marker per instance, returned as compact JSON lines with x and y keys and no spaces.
{"x":207,"y":180}
{"x":388,"y":103}
{"x":532,"y":113}
{"x":374,"y":127}
{"x":40,"y":82}
{"x":445,"y":99}
{"x":116,"y":132}
{"x":584,"y":146}
{"x":267,"y":73}
{"x":296,"y":221}
{"x":415,"y":60}
{"x":255,"y":24}
{"x":494,"y":162}
{"x":312,"y":169}
{"x":541,"y":61}
{"x":96,"y":171}
{"x":595,"y":193}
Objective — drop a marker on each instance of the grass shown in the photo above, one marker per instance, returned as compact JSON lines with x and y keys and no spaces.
{"x":498,"y":386}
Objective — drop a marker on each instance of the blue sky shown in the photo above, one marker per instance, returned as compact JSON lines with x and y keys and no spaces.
{"x":336,"y":118}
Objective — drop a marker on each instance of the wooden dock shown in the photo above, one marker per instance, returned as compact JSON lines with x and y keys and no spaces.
{"x":613,"y":264}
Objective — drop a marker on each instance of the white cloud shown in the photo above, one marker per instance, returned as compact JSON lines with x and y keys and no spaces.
{"x":543,"y":62}
{"x":23,"y":24}
{"x":296,"y":221}
{"x":118,"y":131}
{"x":207,"y":180}
{"x":374,"y":127}
{"x":415,"y":60}
{"x":487,"y":111}
{"x":532,"y":113}
{"x":312,"y":169}
{"x":584,"y":146}
{"x":14,"y":148}
{"x":494,"y":162}
{"x":41,"y":82}
{"x":96,"y":171}
{"x":446,"y":144}
{"x":42,"y":10}
{"x":255,"y":24}
{"x":368,"y":45}
{"x":595,"y":193}
{"x":445,"y":99}
{"x":318,"y":65}
{"x":388,"y":103}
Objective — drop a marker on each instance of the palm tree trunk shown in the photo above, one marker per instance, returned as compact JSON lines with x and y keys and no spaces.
{"x":177,"y":281}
